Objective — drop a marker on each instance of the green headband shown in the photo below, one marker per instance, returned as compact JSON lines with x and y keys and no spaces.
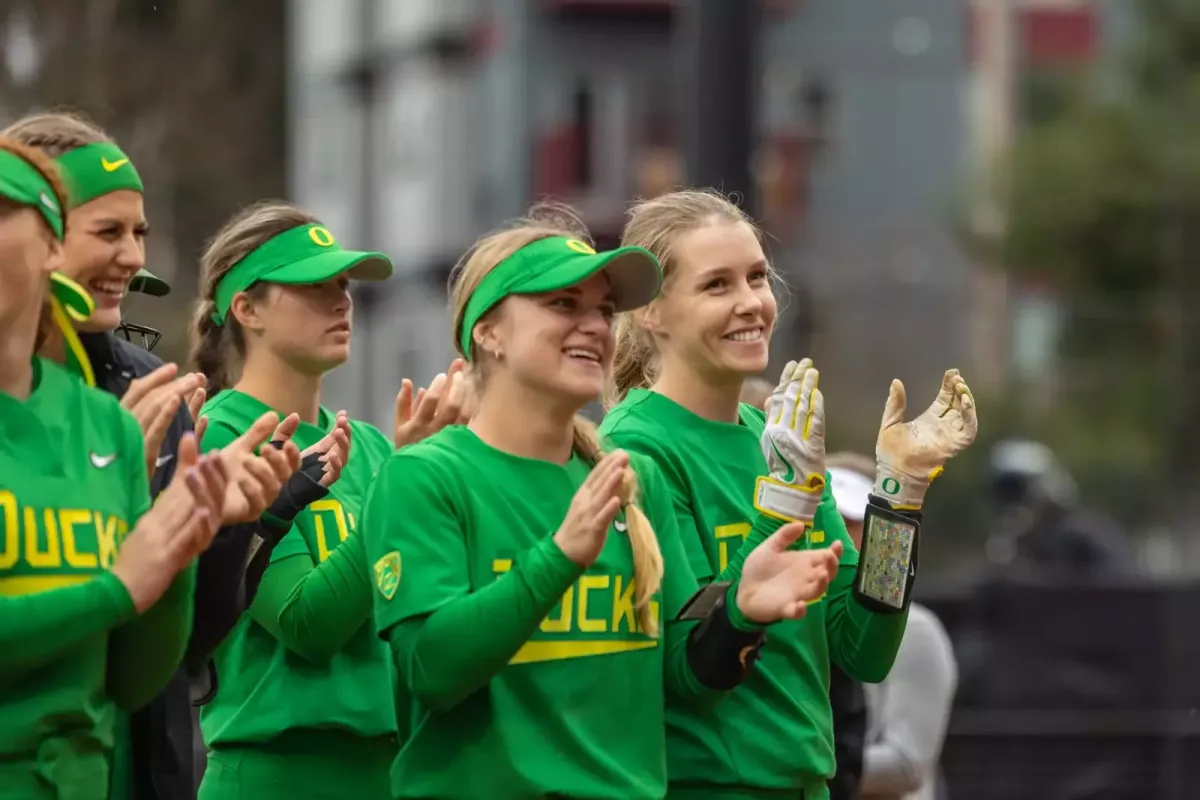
{"x":549,"y":265}
{"x":306,"y":254}
{"x":95,"y":170}
{"x":24,"y":184}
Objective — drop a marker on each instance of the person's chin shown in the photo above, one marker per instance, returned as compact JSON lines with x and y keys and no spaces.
{"x":744,"y":364}
{"x":103,"y":320}
{"x":333,"y":356}
{"x":582,"y":388}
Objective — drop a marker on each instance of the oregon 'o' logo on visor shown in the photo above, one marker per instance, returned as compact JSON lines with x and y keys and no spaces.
{"x":321,"y":236}
{"x":581,"y":247}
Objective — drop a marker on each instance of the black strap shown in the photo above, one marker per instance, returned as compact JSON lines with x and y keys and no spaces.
{"x":720,"y":655}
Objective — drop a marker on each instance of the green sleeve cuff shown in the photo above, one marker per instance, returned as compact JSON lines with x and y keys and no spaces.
{"x":736,"y":617}
{"x":117,"y":598}
{"x":549,"y":570}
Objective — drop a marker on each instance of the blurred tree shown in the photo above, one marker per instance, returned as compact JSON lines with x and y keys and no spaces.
{"x":193,"y":89}
{"x":1103,"y":200}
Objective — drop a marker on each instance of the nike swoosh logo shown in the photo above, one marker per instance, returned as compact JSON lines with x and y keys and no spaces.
{"x":112,"y":166}
{"x":158,"y":462}
{"x":100,"y":462}
{"x":790,"y":475}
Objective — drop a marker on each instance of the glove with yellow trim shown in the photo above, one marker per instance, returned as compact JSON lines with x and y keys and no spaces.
{"x":793,"y":442}
{"x":910,"y":455}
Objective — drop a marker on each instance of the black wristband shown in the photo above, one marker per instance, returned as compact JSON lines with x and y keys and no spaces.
{"x":720,"y":655}
{"x":876,"y":500}
{"x":301,"y":489}
{"x":887,"y":559}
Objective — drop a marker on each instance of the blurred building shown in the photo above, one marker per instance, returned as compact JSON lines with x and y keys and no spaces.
{"x":419,"y":124}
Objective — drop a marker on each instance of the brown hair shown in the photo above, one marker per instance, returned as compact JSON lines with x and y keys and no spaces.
{"x":42,"y":163}
{"x":56,"y":132}
{"x":218,"y":350}
{"x":655,"y":224}
{"x":543,"y":221}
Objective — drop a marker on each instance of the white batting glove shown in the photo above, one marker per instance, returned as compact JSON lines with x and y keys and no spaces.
{"x":793,"y":443}
{"x":910,"y":455}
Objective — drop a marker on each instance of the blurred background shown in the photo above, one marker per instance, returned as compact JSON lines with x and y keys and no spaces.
{"x":1011,"y":187}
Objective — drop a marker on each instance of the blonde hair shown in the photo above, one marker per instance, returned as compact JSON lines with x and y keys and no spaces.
{"x":545,"y":220}
{"x":56,"y":132}
{"x":655,"y":225}
{"x":215,"y":350}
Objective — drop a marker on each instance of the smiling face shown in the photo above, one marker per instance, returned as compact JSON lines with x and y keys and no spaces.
{"x":306,"y":326}
{"x":105,"y":247}
{"x":558,"y":344}
{"x":717,"y":312}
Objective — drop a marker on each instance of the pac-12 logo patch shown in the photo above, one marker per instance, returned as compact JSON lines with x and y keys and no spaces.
{"x":387,"y":575}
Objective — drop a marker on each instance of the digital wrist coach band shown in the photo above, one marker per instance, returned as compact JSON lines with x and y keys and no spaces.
{"x":887,"y":558}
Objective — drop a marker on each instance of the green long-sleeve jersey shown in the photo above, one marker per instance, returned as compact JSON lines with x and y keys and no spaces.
{"x":775,"y":733}
{"x":72,"y":649}
{"x":305,"y":655}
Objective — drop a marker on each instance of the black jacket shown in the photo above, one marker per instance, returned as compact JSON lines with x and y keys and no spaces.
{"x":849,"y":707}
{"x":162,"y":732}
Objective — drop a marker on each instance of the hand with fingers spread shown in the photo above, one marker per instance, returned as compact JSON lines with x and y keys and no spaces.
{"x":778,"y":582}
{"x":256,"y":473}
{"x":332,"y":451}
{"x":910,"y":455}
{"x":154,"y":400}
{"x":179,"y":526}
{"x":583,"y":532}
{"x":793,"y":442}
{"x":445,"y":402}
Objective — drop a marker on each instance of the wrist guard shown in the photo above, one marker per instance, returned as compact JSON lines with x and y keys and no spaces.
{"x":887,"y":559}
{"x":720,"y":655}
{"x":303,"y":488}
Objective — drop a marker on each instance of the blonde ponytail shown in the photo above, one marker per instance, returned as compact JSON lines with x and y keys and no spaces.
{"x":647,"y":558}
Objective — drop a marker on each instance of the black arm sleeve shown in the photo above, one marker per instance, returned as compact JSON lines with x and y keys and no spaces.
{"x":720,"y":654}
{"x":232,"y":568}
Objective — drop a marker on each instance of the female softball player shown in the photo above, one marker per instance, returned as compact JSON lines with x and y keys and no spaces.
{"x":303,"y":706}
{"x":678,"y":373}
{"x":533,"y":590}
{"x":104,"y":251}
{"x":92,"y":617}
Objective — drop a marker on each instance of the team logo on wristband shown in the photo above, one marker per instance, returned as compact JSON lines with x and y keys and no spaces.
{"x":387,"y":575}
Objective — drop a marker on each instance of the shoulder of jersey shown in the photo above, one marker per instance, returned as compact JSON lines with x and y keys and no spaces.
{"x":441,"y":446}
{"x":627,"y":416}
{"x":94,"y":401}
{"x":757,"y":415}
{"x":215,"y":404}
{"x":97,"y":414}
{"x":365,"y":431}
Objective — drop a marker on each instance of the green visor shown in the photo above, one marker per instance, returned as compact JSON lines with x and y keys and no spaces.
{"x":147,"y":283}
{"x":556,"y":263}
{"x":22,"y":183}
{"x":307,"y":254}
